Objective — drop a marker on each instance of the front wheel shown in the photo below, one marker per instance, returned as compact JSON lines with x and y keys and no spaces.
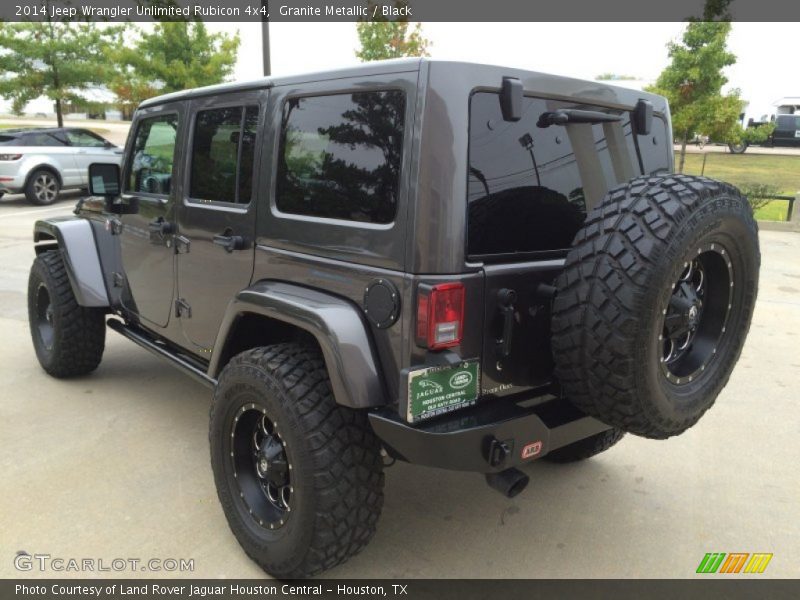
{"x":300,"y":478}
{"x":69,"y":339}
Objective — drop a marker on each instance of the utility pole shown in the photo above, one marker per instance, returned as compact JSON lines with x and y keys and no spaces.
{"x":265,"y":38}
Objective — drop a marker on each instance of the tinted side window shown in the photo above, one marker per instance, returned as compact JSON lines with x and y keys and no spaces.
{"x":41,"y":139}
{"x":153,"y":155}
{"x":78,"y":137}
{"x":222,"y":154}
{"x":340,"y":156}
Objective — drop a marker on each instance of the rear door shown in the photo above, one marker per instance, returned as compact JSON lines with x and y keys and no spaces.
{"x":216,"y":221}
{"x":55,"y":146}
{"x":529,"y":190}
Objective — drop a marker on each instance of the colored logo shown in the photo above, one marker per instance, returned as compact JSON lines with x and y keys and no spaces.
{"x":461,"y":380}
{"x":431,"y":385}
{"x":532,"y":449}
{"x":735,"y":562}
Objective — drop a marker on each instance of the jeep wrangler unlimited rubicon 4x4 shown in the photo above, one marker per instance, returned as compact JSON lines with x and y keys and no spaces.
{"x":456,"y":265}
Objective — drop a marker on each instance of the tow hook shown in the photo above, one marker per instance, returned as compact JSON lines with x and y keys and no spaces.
{"x":510,"y":482}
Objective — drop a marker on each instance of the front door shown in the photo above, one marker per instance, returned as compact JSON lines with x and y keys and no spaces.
{"x":216,"y":217}
{"x":91,"y":148}
{"x":146,"y":239}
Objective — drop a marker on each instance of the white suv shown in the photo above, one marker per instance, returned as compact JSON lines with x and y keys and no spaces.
{"x":42,"y":162}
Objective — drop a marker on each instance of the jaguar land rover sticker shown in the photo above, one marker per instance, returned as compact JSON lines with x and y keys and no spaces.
{"x":436,"y":390}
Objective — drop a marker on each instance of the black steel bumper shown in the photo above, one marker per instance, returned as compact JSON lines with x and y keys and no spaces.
{"x":490,"y":437}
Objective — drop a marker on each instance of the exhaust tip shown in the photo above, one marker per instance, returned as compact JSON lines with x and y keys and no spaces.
{"x":510,"y":482}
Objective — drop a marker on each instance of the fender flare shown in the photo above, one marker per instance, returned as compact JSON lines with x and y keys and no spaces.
{"x":335,"y":323}
{"x":76,"y":243}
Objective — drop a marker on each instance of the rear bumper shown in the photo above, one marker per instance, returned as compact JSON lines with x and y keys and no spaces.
{"x":487,"y":438}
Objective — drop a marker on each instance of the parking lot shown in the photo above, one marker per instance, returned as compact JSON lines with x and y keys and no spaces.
{"x":115,"y":465}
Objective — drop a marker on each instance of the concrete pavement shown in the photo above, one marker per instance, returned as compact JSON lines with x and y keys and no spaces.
{"x":115,"y":465}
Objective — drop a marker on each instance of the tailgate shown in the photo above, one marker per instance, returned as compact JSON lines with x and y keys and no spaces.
{"x":516,"y":341}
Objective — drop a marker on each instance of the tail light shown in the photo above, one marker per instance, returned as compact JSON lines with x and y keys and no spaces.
{"x":440,"y":315}
{"x":7,"y":157}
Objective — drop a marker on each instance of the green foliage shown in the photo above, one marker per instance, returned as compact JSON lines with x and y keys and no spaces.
{"x":693,"y":81}
{"x":58,"y":60}
{"x":753,"y":135}
{"x":174,"y":56}
{"x":759,"y":194}
{"x":382,"y":39}
{"x":614,"y":77}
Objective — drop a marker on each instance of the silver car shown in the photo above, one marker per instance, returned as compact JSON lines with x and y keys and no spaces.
{"x":42,"y":162}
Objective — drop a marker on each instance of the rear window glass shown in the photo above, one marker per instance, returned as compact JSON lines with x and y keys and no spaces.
{"x":525,"y":192}
{"x":340,"y":156}
{"x":8,"y":140}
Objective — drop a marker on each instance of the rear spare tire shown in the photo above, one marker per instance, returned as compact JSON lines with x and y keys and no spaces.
{"x":655,"y":302}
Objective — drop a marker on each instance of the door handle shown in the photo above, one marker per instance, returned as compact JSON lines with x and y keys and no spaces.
{"x":161,"y":226}
{"x":230,"y":242}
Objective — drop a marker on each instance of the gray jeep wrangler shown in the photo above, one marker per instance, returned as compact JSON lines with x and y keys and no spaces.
{"x":462,"y":266}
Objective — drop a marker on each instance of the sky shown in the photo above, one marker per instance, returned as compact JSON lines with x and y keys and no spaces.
{"x":582,"y":50}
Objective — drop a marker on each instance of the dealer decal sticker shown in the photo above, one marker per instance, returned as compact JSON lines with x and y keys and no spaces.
{"x":436,"y":390}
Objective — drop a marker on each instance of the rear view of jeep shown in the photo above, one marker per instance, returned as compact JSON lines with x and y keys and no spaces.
{"x":455,"y":265}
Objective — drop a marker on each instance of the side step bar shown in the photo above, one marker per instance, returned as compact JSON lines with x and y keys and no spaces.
{"x":176,"y":360}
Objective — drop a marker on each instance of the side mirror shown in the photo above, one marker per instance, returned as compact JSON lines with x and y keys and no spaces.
{"x":107,"y":144}
{"x":104,"y":179}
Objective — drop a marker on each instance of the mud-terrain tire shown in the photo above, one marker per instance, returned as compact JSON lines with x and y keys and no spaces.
{"x":42,"y":187}
{"x":586,"y":448}
{"x":655,"y":301}
{"x":317,"y":499}
{"x":69,"y":339}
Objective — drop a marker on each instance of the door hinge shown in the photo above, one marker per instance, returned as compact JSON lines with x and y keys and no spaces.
{"x":118,"y":279}
{"x":182,"y":308}
{"x":182,"y":244}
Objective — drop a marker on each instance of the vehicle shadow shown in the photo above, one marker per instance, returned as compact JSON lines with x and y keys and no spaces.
{"x":19,"y":200}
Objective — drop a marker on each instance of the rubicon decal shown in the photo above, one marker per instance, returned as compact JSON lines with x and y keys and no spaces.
{"x":734,"y":562}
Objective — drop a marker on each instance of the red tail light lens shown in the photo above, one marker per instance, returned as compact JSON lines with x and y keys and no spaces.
{"x":440,"y":315}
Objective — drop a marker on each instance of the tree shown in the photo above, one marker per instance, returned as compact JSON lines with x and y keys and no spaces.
{"x":614,"y":77}
{"x":174,"y":56}
{"x":382,"y":39}
{"x":693,"y":82}
{"x":59,"y":60}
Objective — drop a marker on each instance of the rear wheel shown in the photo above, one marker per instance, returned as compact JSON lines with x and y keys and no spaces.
{"x":655,"y":302}
{"x":737,"y":148}
{"x":586,"y":448}
{"x":300,"y":478}
{"x":42,"y":187}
